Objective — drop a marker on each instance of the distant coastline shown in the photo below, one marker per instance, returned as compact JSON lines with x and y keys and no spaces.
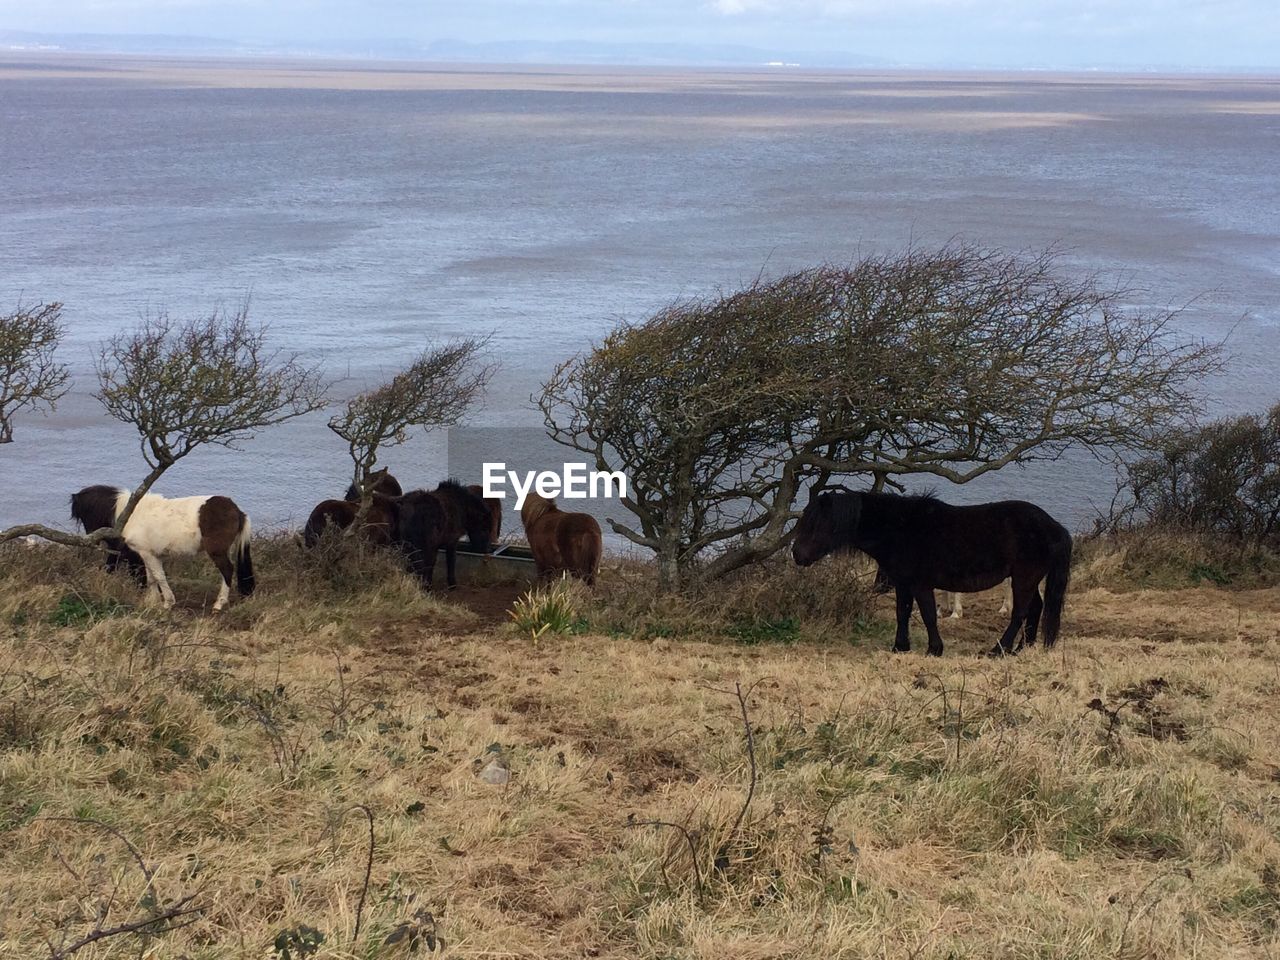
{"x":561,"y":53}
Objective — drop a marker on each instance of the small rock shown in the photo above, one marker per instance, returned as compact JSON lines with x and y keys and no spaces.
{"x":495,"y":771}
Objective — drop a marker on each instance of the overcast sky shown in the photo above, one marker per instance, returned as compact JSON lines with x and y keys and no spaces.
{"x":1015,"y":33}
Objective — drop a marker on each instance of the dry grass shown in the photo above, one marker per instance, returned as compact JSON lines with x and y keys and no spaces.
{"x":1172,"y":559}
{"x":775,"y":601}
{"x":1114,"y":799}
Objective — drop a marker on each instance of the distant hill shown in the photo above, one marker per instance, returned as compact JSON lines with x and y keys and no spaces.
{"x":460,"y":51}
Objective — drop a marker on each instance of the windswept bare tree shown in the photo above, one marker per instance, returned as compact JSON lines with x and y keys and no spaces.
{"x":437,"y":389}
{"x":30,"y":377}
{"x":952,"y":363}
{"x":183,"y":384}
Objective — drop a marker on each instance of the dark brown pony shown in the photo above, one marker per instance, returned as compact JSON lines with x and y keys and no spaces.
{"x":340,"y":514}
{"x":94,"y":508}
{"x":428,"y":522}
{"x":921,"y":543}
{"x":495,"y":510}
{"x":378,"y":525}
{"x":381,"y":481}
{"x":561,"y":542}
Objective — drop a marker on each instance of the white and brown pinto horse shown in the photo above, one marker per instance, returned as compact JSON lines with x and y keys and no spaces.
{"x":957,"y":605}
{"x":182,"y":526}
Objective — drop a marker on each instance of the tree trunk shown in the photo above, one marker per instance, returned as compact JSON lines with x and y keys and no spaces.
{"x":668,"y":568}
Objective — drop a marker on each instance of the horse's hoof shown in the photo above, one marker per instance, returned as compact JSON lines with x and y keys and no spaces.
{"x":898,"y":649}
{"x":935,"y":653}
{"x":999,"y":651}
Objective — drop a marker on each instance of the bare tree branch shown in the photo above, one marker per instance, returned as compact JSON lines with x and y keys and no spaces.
{"x":437,"y":389}
{"x":155,"y":919}
{"x":29,"y":375}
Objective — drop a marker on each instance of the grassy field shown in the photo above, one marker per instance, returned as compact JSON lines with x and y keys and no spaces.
{"x":1116,"y":798}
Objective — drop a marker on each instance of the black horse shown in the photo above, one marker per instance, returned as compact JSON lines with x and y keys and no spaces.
{"x":94,"y":508}
{"x":426,"y":522}
{"x":921,"y":543}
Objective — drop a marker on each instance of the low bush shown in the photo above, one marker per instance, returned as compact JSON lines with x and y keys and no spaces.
{"x":552,"y":608}
{"x":1162,"y":558}
{"x":773,"y":601}
{"x":1222,"y":479}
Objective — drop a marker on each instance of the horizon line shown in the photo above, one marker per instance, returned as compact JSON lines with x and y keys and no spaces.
{"x":250,"y":49}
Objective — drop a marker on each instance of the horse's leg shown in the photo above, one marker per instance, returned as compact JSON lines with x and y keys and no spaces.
{"x":1033,"y":617}
{"x":957,"y":606}
{"x":155,"y":573}
{"x":450,"y":565}
{"x":428,"y":559}
{"x":223,"y":563}
{"x":422,"y":562}
{"x":902,"y":640}
{"x":929,"y":614}
{"x":1023,"y":588}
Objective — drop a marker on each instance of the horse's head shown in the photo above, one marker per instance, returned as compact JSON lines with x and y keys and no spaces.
{"x":95,"y":507}
{"x":474,"y":513}
{"x":375,"y":481}
{"x":477,"y":520}
{"x":495,"y":512}
{"x":827,"y":524}
{"x":535,"y":506}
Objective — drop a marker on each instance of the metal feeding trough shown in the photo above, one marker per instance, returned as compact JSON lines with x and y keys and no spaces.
{"x":507,"y":563}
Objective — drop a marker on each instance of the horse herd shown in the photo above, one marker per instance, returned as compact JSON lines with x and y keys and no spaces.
{"x":419,"y":524}
{"x":918,"y":543}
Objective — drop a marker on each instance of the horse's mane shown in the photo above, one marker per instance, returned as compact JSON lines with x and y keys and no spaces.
{"x":850,"y":507}
{"x":452,"y":483}
{"x":383,"y":482}
{"x":95,"y":507}
{"x":535,"y":507}
{"x":845,"y":510}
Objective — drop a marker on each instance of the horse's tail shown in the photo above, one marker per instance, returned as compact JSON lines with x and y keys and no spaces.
{"x":592,"y":548}
{"x":1055,"y":589}
{"x":315,"y":526}
{"x":245,"y":581}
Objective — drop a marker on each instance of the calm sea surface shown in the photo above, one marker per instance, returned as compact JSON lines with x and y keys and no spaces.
{"x":370,"y":210}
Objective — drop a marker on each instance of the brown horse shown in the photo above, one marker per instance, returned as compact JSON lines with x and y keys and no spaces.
{"x":378,"y":524}
{"x":340,"y":514}
{"x":380,"y":481}
{"x":561,"y":542}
